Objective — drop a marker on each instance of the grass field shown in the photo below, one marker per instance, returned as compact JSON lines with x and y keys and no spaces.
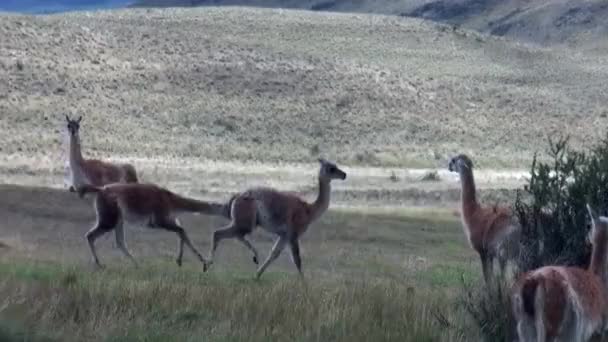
{"x":286,"y":86}
{"x":370,"y":275}
{"x":211,"y":101}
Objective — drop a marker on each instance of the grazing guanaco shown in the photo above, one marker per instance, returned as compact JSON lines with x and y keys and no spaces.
{"x":283,"y":214}
{"x":147,"y":204}
{"x":493,"y":232}
{"x":559,"y":303}
{"x":93,"y":171}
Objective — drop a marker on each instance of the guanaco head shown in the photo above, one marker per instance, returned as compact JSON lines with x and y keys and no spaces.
{"x":330,"y":171}
{"x":460,"y":163}
{"x":599,"y":227}
{"x":73,"y":125}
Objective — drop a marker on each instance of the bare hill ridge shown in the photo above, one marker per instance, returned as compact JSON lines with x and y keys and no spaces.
{"x":272,"y":85}
{"x":573,"y":22}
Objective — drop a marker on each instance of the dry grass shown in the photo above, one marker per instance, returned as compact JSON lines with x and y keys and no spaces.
{"x":386,"y":275}
{"x":274,"y":85}
{"x":67,"y":304}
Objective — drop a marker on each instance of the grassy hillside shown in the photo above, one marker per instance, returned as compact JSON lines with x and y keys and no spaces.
{"x":575,"y":22}
{"x":572,"y":22}
{"x":272,"y":85}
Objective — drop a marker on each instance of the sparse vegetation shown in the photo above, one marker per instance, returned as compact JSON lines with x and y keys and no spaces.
{"x":431,"y":176}
{"x":267,"y":86}
{"x":393,"y":177}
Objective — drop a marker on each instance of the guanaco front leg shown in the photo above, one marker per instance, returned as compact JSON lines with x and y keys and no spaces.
{"x":294,"y":246}
{"x":278,"y":247}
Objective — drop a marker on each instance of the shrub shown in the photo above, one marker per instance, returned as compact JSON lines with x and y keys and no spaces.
{"x":490,"y":311}
{"x":551,"y":208}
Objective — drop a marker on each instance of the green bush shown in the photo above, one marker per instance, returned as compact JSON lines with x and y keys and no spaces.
{"x":551,"y":208}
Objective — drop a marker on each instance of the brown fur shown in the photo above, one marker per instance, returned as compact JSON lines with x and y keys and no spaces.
{"x":100,"y":173}
{"x":492,"y":231}
{"x":564,"y":303}
{"x":149,"y":204}
{"x":93,"y":171}
{"x":281,"y":213}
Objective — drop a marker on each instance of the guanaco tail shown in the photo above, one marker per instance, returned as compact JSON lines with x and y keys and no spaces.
{"x":146,"y":204}
{"x":93,"y":171}
{"x":283,"y":214}
{"x":559,"y":303}
{"x":492,"y":232}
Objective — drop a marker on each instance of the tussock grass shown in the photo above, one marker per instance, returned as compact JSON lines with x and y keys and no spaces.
{"x":73,"y":304}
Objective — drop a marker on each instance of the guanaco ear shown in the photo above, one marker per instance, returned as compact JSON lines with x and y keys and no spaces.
{"x":462,"y":165}
{"x":67,"y":118}
{"x":592,"y":213}
{"x":79,"y":119}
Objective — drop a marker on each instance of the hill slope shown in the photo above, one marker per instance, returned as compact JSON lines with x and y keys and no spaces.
{"x":270,"y":85}
{"x":51,"y":6}
{"x":538,"y":21}
{"x":575,"y":22}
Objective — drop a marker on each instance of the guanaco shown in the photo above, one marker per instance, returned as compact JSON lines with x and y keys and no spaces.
{"x":281,"y":213}
{"x":146,"y":204}
{"x":492,"y":232}
{"x":93,"y":171}
{"x":559,"y":303}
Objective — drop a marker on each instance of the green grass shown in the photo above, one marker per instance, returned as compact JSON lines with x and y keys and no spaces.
{"x":117,"y":304}
{"x":370,"y":275}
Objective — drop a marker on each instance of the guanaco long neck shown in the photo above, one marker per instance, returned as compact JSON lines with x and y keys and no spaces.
{"x":321,"y":204}
{"x":75,"y":154}
{"x":468,"y":193}
{"x":599,"y":263}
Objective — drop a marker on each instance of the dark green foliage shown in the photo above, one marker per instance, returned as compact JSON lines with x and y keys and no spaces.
{"x":490,"y":311}
{"x":552,"y":210}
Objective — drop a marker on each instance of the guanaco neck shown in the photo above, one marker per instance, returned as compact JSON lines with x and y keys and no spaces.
{"x":75,"y":153}
{"x":321,"y":204}
{"x":468,"y":194}
{"x":598,"y":262}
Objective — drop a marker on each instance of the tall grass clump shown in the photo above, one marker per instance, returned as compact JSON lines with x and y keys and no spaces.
{"x":552,"y":213}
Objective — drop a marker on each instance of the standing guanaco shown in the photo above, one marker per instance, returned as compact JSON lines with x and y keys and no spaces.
{"x":93,"y":171}
{"x":492,"y":231}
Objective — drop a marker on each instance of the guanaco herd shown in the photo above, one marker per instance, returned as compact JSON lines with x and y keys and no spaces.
{"x":552,"y":303}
